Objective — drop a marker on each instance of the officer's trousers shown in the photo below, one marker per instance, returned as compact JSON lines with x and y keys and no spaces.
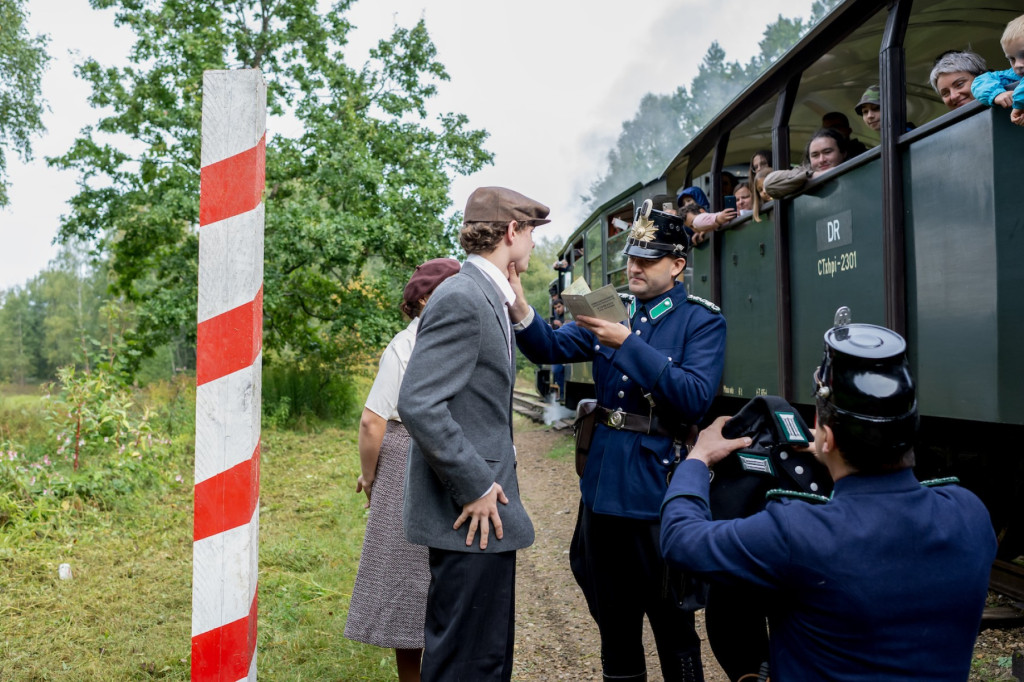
{"x":618,"y":565}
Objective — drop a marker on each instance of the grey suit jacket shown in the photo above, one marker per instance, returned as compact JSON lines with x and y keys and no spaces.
{"x":456,"y":402}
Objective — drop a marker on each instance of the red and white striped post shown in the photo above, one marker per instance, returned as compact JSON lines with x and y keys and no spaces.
{"x":228,"y":377}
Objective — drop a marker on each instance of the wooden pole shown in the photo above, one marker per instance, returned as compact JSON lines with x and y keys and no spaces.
{"x":228,"y":377}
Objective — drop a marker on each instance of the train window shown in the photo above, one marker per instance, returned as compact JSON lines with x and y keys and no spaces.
{"x":618,"y":231}
{"x":595,"y":270}
{"x":751,"y":135}
{"x":834,"y":83}
{"x":575,"y":253}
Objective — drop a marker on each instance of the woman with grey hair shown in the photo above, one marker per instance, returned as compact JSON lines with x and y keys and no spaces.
{"x":953,"y":74}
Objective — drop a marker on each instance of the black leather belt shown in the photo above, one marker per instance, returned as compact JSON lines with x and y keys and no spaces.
{"x":626,"y":421}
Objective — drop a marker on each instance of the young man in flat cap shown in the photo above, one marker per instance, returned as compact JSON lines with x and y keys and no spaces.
{"x":885,"y":580}
{"x":655,"y":376}
{"x":462,"y":495}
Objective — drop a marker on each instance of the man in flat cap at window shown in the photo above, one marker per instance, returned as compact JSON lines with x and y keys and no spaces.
{"x":655,"y":376}
{"x":885,"y":580}
{"x":461,"y":495}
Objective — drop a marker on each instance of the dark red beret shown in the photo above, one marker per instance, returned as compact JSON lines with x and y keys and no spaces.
{"x":426,"y":278}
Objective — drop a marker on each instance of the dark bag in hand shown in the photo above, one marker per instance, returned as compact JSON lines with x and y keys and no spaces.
{"x":583,"y":430}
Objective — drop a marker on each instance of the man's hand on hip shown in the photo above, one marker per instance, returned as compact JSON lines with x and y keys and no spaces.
{"x":483,"y":513}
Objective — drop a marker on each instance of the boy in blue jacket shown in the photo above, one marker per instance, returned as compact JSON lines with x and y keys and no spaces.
{"x":1006,"y":88}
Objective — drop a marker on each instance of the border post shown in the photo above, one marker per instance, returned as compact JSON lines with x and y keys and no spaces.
{"x":228,"y":376}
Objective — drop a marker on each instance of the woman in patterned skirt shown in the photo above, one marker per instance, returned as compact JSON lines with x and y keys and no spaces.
{"x":389,"y":599}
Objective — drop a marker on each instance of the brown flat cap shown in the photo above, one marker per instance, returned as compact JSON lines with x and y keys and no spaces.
{"x":501,"y":205}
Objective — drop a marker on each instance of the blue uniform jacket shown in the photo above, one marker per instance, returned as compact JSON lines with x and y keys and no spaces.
{"x":676,"y":352}
{"x":988,"y":85}
{"x":887,"y":581}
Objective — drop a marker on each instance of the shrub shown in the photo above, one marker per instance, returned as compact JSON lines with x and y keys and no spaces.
{"x":292,"y":394}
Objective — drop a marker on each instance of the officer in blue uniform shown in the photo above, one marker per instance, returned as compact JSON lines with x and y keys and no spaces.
{"x":655,"y":376}
{"x":887,"y":579}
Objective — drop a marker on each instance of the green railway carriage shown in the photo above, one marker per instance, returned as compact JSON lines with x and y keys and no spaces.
{"x":923,"y":233}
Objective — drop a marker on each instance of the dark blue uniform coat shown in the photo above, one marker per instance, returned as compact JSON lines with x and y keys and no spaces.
{"x":887,"y":581}
{"x":676,"y":352}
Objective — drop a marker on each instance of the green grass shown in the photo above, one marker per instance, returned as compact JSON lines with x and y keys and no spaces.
{"x":126,"y":614}
{"x":564,"y":449}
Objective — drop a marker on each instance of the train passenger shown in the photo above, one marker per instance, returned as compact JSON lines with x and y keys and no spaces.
{"x":837,"y":120}
{"x":887,"y":579}
{"x":1006,"y":88}
{"x":825,"y":150}
{"x":389,"y":598}
{"x":744,"y":199}
{"x":870,"y":108}
{"x":557,"y":312}
{"x":760,"y":196}
{"x":762,"y":158}
{"x":954,"y":73}
{"x":655,"y":375}
{"x":461,"y":466}
{"x":699,"y":220}
{"x":728,"y":183}
{"x":665,"y":203}
{"x":693,"y":195}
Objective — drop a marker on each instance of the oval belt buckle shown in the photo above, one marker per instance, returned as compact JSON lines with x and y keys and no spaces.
{"x":616,"y":419}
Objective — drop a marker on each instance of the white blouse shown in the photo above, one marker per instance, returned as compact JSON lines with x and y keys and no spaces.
{"x":383,"y":397}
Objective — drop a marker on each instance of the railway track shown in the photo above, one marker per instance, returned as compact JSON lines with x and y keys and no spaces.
{"x":1007,"y":579}
{"x":530,"y":405}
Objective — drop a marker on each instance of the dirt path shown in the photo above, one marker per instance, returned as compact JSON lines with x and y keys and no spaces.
{"x":556,"y":639}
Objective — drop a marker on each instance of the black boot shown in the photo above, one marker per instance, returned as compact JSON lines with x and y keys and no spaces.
{"x":641,"y":677}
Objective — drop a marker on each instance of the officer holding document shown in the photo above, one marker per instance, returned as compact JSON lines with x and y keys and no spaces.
{"x":655,"y":373}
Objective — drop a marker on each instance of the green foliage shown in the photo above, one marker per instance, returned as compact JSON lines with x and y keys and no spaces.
{"x":91,"y":414}
{"x":89,"y":441}
{"x":22,"y":60}
{"x":126,"y":614}
{"x":665,"y":123}
{"x":539,"y":275}
{"x":62,"y":316}
{"x":367,"y":179}
{"x":294,"y":395}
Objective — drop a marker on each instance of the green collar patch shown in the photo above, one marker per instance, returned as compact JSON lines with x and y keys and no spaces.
{"x":632,"y":309}
{"x":780,"y":493}
{"x":660,"y":309}
{"x":756,"y":463}
{"x":936,"y":482}
{"x":703,"y":302}
{"x":791,"y":427}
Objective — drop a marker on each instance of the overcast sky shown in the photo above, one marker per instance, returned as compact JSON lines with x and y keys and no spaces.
{"x":551,"y":80}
